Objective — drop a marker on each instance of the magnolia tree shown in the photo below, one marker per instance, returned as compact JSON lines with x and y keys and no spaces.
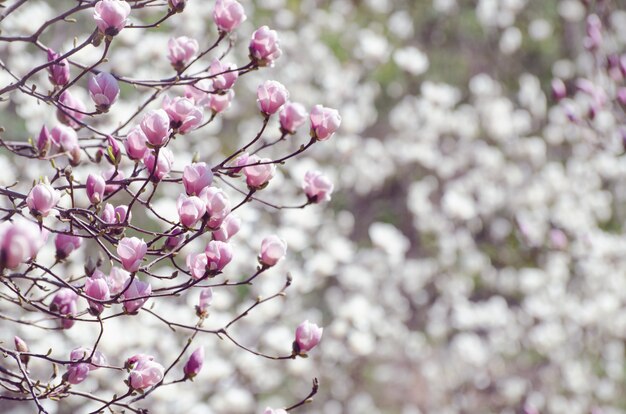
{"x":98,"y":189}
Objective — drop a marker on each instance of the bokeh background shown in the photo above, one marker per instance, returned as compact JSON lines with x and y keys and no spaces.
{"x":472,"y":259}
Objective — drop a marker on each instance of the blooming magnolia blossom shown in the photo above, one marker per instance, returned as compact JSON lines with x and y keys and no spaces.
{"x":115,"y":215}
{"x":65,"y":244}
{"x":229,"y":227}
{"x":96,"y":287}
{"x":273,"y":248}
{"x":190,"y":209}
{"x":145,"y":373}
{"x":218,"y":254}
{"x":181,"y":50}
{"x":271,"y":96}
{"x":42,"y":199}
{"x":292,"y":116}
{"x":111,"y":16}
{"x":104,"y":90}
{"x":324,"y":122}
{"x":184,"y":115}
{"x":223,"y":75}
{"x":228,"y":15}
{"x":197,"y":264}
{"x":196,"y":177}
{"x":64,"y":303}
{"x":64,"y":138}
{"x":259,"y":171}
{"x":117,"y":280}
{"x":317,"y":187}
{"x":217,"y":205}
{"x":135,"y":144}
{"x":156,"y":127}
{"x":19,"y":242}
{"x":264,"y":47}
{"x":308,"y":335}
{"x":131,"y":251}
{"x":136,"y":293}
{"x":220,"y":103}
{"x":77,"y":373}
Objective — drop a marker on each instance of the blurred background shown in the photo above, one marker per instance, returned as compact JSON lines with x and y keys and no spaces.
{"x":472,"y":259}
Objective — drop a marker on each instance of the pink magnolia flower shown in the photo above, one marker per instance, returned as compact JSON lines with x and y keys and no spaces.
{"x":217,"y":205}
{"x":156,"y":127}
{"x":292,"y":116}
{"x":273,"y":249}
{"x":104,"y":90}
{"x":65,"y":138}
{"x":71,"y":110}
{"x":60,"y":71}
{"x":206,"y":297}
{"x":95,"y":188}
{"x":271,"y":96}
{"x":194,"y":363}
{"x":264,"y":47}
{"x":81,"y":354}
{"x":115,"y":215}
{"x":228,"y":15}
{"x":218,"y":254}
{"x":308,"y":335}
{"x":111,"y":15}
{"x":77,"y":373}
{"x":19,"y":242}
{"x":196,"y":177}
{"x":44,"y":141}
{"x":190,"y":209}
{"x":219,"y":103}
{"x":136,"y":295}
{"x":317,"y":187}
{"x":324,"y":122}
{"x":131,"y":252}
{"x":230,"y":226}
{"x":181,"y":51}
{"x":135,"y":144}
{"x":117,"y":280}
{"x":240,"y":162}
{"x":184,"y":115}
{"x":221,"y":80}
{"x":96,"y":287}
{"x":65,"y":303}
{"x":110,"y":175}
{"x":259,"y":172}
{"x":163,"y":164}
{"x":145,"y":373}
{"x":197,"y":265}
{"x":66,"y":244}
{"x":42,"y":198}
